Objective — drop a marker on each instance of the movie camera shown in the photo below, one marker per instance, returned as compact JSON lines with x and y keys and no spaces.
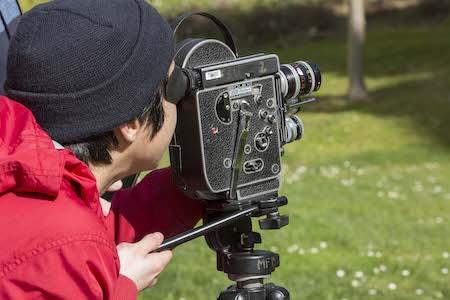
{"x":235,"y":116}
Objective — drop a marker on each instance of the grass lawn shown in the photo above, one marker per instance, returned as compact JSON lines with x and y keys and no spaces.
{"x":369,"y":185}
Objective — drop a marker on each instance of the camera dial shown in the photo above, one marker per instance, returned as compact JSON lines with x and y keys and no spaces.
{"x":261,"y":142}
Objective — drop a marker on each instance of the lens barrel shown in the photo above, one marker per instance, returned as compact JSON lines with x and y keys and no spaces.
{"x":294,"y":129}
{"x":300,"y":79}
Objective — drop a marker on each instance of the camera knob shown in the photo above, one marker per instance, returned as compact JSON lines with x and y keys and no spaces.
{"x":261,"y":142}
{"x":274,"y":221}
{"x":268,"y":130}
{"x":271,"y":119}
{"x":263,"y":114}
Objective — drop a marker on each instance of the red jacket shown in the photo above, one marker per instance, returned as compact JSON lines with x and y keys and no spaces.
{"x":55,"y":242}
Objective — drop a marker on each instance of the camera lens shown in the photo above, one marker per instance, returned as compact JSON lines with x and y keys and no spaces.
{"x":294,"y":129}
{"x":299,"y":79}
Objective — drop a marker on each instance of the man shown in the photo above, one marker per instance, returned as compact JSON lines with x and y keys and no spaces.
{"x":89,"y":76}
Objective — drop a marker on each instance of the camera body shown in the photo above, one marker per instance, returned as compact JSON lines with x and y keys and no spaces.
{"x":233,"y":122}
{"x":234,"y":117}
{"x":207,"y":136}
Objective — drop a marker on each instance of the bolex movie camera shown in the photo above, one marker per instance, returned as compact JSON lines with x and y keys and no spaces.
{"x":236,"y":115}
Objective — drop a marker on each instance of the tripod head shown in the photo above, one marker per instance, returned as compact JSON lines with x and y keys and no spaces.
{"x":231,"y":236}
{"x":236,"y":256}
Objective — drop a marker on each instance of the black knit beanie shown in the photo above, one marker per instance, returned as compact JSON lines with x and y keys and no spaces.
{"x":84,"y":67}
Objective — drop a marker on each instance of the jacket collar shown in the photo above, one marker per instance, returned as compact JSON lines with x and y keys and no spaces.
{"x":29,"y":162}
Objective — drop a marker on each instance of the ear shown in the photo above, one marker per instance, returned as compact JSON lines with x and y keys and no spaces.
{"x":128,"y":131}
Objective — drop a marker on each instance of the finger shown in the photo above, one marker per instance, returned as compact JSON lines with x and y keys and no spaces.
{"x":123,"y":245}
{"x":153,"y":282}
{"x":163,"y":256}
{"x":150,"y":242}
{"x":158,"y":261}
{"x":115,"y":186}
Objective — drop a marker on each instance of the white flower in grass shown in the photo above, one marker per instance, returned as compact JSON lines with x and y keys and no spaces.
{"x":431,"y":165}
{"x":372,"y":292}
{"x":444,"y":271}
{"x":355,"y":283}
{"x":301,"y":170}
{"x":334,"y":170}
{"x":439,"y":220}
{"x":359,"y":274}
{"x":301,"y":251}
{"x":405,"y":273}
{"x":273,"y":249}
{"x":347,"y":182}
{"x":293,"y":178}
{"x":378,"y":254}
{"x":418,"y":186}
{"x":340,"y":273}
{"x":437,"y":189}
{"x":314,"y":250}
{"x":445,"y":254}
{"x":438,"y":294}
{"x":331,"y":171}
{"x":292,"y":248}
{"x":370,"y":253}
{"x":380,"y":194}
{"x":361,"y":172}
{"x":376,"y":270}
{"x":323,"y":245}
{"x":419,"y":292}
{"x":383,"y":268}
{"x":393,"y":195}
{"x":431,"y":179}
{"x":392,"y":286}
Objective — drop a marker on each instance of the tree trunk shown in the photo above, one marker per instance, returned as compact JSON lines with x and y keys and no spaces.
{"x":356,"y":39}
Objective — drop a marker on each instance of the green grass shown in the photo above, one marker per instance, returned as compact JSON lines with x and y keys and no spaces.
{"x":370,"y":181}
{"x":369,"y":185}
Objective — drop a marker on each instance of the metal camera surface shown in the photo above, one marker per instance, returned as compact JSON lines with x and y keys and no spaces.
{"x":234,"y":119}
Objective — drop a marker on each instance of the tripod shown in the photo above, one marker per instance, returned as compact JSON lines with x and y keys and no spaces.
{"x":231,"y":236}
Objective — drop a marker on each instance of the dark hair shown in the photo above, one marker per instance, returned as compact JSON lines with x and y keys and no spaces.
{"x":95,"y":150}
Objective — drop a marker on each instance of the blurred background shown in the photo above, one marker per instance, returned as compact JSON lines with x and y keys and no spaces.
{"x":369,"y":184}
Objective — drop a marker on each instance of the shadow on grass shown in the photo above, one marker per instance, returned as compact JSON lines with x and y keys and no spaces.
{"x":426,"y":102}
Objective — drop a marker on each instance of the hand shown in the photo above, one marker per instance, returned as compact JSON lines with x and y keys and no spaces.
{"x":141,"y":266}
